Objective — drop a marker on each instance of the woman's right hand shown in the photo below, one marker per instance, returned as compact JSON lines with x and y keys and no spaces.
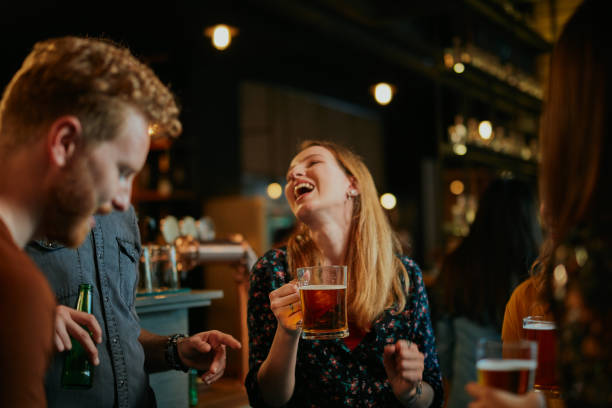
{"x":286,"y":306}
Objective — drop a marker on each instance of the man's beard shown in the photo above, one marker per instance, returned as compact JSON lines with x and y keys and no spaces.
{"x":66,"y":217}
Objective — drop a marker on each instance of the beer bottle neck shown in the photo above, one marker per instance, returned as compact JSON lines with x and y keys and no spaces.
{"x":84,"y":302}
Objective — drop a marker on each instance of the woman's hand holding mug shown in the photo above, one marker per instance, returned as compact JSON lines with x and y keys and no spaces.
{"x":286,"y":306}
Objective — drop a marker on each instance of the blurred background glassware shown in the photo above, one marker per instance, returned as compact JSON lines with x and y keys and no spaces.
{"x":145,"y":281}
{"x":473,"y":136}
{"x":509,"y":366}
{"x":187,"y":252}
{"x":206,"y":229}
{"x":169,"y":228}
{"x":159,"y":270}
{"x":188,"y":228}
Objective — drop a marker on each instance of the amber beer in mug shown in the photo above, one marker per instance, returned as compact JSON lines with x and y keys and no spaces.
{"x":323,"y":301}
{"x":507,"y":366}
{"x":543,"y":332}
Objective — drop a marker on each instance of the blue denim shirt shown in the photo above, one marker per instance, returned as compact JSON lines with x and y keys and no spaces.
{"x":108,"y":260}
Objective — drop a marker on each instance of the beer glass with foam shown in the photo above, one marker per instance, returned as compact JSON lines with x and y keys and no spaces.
{"x":543,"y":332}
{"x":508,"y":366}
{"x":323,"y":301}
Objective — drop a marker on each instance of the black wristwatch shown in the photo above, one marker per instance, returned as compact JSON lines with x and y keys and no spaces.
{"x":172,"y":355}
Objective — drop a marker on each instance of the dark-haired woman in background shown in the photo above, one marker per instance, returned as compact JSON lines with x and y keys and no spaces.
{"x":478,"y":277}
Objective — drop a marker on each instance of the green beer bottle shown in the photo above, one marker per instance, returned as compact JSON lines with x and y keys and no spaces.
{"x":78,"y":370}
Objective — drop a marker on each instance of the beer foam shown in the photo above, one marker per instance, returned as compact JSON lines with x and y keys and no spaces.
{"x":322,"y":287}
{"x":491,"y":364}
{"x":539,"y":326}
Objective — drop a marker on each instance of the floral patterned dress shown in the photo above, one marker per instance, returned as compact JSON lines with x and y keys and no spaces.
{"x":328,"y":373}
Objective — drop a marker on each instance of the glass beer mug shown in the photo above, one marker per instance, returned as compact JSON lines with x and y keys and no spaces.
{"x":543,"y":332}
{"x":323,"y":301}
{"x":508,"y":366}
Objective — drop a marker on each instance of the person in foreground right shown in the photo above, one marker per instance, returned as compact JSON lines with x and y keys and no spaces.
{"x":575,"y":174}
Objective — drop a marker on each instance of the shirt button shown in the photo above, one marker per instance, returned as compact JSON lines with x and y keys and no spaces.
{"x":121,"y":383}
{"x":106,"y":299}
{"x":115,"y":340}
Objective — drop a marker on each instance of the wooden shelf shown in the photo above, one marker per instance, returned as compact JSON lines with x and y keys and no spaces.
{"x":493,"y":10}
{"x":481,"y":156}
{"x":491,"y":90}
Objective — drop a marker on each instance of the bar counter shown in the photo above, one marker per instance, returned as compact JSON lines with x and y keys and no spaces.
{"x":167,"y":313}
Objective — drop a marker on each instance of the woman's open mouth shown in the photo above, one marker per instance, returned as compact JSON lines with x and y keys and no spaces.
{"x":301,"y":190}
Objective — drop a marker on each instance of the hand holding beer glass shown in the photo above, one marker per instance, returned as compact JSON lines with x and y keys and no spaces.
{"x":323,"y":301}
{"x":508,"y":366}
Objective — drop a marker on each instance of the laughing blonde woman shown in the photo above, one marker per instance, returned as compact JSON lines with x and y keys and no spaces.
{"x":389,"y":358}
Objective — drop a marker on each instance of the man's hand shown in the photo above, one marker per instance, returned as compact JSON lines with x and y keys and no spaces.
{"x":68,"y":323}
{"x":490,"y":397}
{"x":206,"y":351}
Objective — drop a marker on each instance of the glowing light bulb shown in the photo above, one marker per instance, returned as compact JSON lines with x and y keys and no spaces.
{"x":460,"y":149}
{"x":388,"y":201}
{"x":383,"y":93}
{"x":274,"y":190}
{"x":457,"y":187}
{"x":459,"y":68}
{"x":221,"y":37}
{"x":485,"y":129}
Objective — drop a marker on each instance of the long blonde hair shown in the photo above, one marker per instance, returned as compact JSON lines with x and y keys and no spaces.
{"x":377,"y":277}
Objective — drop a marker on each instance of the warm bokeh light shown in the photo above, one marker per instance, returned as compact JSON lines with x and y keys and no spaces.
{"x":560,"y":274}
{"x":275,"y":190}
{"x":388,"y":201}
{"x":457,"y":187}
{"x":459,"y":68}
{"x":383,"y":93}
{"x":221,"y":37}
{"x":526,"y":153}
{"x":466,"y":57}
{"x":448,"y":60}
{"x":460,"y":149}
{"x":485,"y":129}
{"x":461,"y":131}
{"x":470,"y":215}
{"x":581,"y":256}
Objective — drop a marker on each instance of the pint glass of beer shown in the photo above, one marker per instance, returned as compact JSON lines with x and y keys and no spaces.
{"x":323,"y":298}
{"x":543,"y":332}
{"x":508,"y":366}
